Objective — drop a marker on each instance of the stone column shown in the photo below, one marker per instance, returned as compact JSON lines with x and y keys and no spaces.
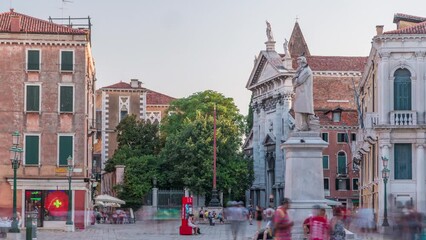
{"x":304,"y":180}
{"x":119,"y":174}
{"x":421,"y":198}
{"x":154,"y":197}
{"x":385,"y":86}
{"x":419,"y":97}
{"x":262,"y":169}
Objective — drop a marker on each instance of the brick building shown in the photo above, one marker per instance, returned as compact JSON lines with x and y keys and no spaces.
{"x":115,"y":102}
{"x":47,"y":75}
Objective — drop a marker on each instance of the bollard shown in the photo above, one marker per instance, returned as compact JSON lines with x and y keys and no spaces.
{"x":34,"y":227}
{"x":29,"y":228}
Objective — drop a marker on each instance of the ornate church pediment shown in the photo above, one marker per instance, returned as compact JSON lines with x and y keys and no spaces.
{"x":268,"y":66}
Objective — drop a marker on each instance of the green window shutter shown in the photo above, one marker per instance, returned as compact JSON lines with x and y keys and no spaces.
{"x":402,"y":90}
{"x":66,"y":104}
{"x":326,"y":184}
{"x":403,"y":161}
{"x":33,"y":98}
{"x":32,"y":150}
{"x":324,"y":136}
{"x":65,"y":149}
{"x":325,"y":162}
{"x":67,"y":63}
{"x":341,"y":163}
{"x":33,"y":60}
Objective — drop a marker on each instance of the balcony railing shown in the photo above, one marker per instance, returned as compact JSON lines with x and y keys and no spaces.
{"x":405,"y":118}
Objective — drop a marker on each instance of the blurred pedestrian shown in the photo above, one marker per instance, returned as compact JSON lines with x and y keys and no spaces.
{"x":282,"y":222}
{"x":337,"y":227}
{"x":259,"y":217}
{"x":319,"y":228}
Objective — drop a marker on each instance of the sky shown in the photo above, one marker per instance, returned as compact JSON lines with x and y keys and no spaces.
{"x":180,"y":47}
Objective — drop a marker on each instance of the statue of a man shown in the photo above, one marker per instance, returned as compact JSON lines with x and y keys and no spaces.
{"x":269,"y":32}
{"x":304,"y":102}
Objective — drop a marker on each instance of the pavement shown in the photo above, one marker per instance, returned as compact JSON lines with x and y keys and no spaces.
{"x":141,"y":230}
{"x":152,"y":230}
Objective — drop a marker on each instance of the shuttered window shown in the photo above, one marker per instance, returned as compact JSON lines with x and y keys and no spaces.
{"x":342,"y":137}
{"x":32,"y":150}
{"x":402,"y":90}
{"x":324,"y":136}
{"x":33,"y":61}
{"x":343,"y":184}
{"x":66,"y":99}
{"x":33,"y":98}
{"x":341,"y":163}
{"x":325,"y":162}
{"x":403,"y":161}
{"x":326,"y":184}
{"x":65,"y":149}
{"x":67,"y":60}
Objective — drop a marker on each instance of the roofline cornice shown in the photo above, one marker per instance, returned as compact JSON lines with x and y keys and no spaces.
{"x":122,"y":90}
{"x":390,"y":36}
{"x":338,"y":73}
{"x":43,"y":43}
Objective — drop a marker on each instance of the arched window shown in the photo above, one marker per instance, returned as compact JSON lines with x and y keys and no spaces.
{"x":341,"y":163}
{"x":402,"y":90}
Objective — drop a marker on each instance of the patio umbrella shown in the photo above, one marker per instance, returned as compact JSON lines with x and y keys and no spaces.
{"x":105,"y":198}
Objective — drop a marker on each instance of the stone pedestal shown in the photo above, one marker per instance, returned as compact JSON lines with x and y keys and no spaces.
{"x":304,"y":180}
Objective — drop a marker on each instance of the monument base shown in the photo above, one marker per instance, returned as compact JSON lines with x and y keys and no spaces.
{"x":304,"y":179}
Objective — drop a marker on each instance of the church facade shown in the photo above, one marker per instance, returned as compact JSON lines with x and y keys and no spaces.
{"x":271,"y":85}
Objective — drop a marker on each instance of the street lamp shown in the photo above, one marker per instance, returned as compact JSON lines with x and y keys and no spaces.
{"x":214,"y":202}
{"x":15,"y":159}
{"x":70,"y":169}
{"x":385,"y":176}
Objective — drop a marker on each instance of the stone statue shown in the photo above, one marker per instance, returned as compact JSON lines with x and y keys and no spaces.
{"x":269,"y":32}
{"x":285,"y":45}
{"x":304,"y":102}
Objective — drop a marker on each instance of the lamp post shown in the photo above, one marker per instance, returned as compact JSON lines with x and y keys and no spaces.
{"x":385,"y":176}
{"x":70,"y":168}
{"x":15,"y":159}
{"x":214,"y":202}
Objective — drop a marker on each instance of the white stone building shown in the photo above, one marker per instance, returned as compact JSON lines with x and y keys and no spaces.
{"x":393,"y":101}
{"x":270,"y":83}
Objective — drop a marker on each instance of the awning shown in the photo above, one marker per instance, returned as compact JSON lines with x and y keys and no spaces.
{"x":105,"y":198}
{"x":332,"y":202}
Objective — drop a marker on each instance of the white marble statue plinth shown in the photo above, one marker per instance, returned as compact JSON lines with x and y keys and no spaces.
{"x":304,"y":180}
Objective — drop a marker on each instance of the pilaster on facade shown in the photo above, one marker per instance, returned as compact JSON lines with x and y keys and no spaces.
{"x":105,"y":128}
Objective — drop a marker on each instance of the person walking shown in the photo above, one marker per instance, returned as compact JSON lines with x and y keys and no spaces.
{"x":259,"y":217}
{"x":337,"y":227}
{"x":282,"y":222}
{"x":319,"y":229}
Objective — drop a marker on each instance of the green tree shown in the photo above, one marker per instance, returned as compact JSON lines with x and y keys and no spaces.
{"x":137,"y":180}
{"x":135,"y":138}
{"x":188,"y":151}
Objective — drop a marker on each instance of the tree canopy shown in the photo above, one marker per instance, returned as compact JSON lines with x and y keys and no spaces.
{"x":188,"y":152}
{"x":135,"y":138}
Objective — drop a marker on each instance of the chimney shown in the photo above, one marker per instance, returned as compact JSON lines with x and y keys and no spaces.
{"x":134,"y":83}
{"x":15,"y":23}
{"x":379,"y":30}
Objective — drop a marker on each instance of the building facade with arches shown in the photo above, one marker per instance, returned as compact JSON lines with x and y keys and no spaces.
{"x":392,"y":98}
